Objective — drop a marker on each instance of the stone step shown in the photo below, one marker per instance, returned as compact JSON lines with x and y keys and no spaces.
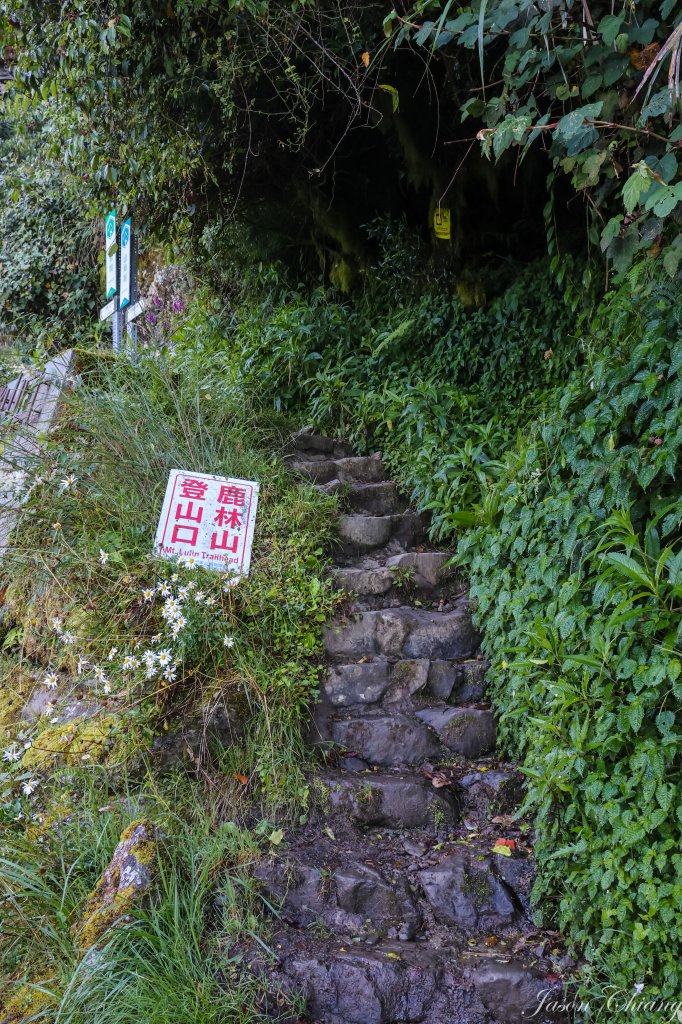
{"x":364,"y":582}
{"x":380,"y":680}
{"x":422,"y":568}
{"x":387,"y":799}
{"x":470,"y":732}
{"x":385,"y":738}
{"x":403,"y":633}
{"x":458,"y":682}
{"x":374,"y":499}
{"x":369,"y":682}
{"x":359,"y":534}
{"x":490,"y":792}
{"x":465,"y":892}
{"x":306,"y":444}
{"x":413,"y":983}
{"x":353,"y":900}
{"x":356,"y":469}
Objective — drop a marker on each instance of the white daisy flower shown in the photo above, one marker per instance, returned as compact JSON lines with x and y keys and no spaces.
{"x":68,"y":637}
{"x":189,"y":561}
{"x":149,"y":659}
{"x":50,"y":681}
{"x":57,"y":624}
{"x":99,"y":674}
{"x":11,"y":753}
{"x":103,"y":557}
{"x":164,"y":589}
{"x":170,"y":609}
{"x":148,"y":594}
{"x":210,"y":601}
{"x":183,"y":593}
{"x":156,"y":638}
{"x":113,"y":651}
{"x":130,"y":664}
{"x":29,"y":787}
{"x":179,"y":624}
{"x":228,"y":641}
{"x":175,"y":577}
{"x":169,"y":675}
{"x":81,"y":666}
{"x":107,"y":688}
{"x":68,"y":483}
{"x":48,"y":709}
{"x":164,"y":658}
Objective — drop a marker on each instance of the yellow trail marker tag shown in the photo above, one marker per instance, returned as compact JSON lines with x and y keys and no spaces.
{"x":441,"y":222}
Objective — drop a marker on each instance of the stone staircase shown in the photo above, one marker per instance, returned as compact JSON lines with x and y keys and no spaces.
{"x":394,"y":909}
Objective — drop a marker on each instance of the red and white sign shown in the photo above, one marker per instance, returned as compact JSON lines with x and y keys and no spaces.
{"x":209,"y":517}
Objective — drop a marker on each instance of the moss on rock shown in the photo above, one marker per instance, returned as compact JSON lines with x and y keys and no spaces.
{"x":123,"y":885}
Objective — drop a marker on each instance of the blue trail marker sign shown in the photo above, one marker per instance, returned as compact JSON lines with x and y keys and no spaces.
{"x":121,"y":283}
{"x":110,"y":251}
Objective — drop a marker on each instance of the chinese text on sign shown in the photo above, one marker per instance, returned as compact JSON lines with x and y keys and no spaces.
{"x":209,"y":517}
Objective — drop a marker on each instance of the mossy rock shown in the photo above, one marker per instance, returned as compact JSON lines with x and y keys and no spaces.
{"x":123,"y":885}
{"x":25,"y":1003}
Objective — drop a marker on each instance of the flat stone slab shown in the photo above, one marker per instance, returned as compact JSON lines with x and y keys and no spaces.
{"x":425,"y":566}
{"x":363,"y":533}
{"x":386,"y":739}
{"x":367,"y":469}
{"x":361,"y":683}
{"x":404,"y":632}
{"x":465,"y":893}
{"x":374,"y":499}
{"x":467,"y":731}
{"x":306,"y":441}
{"x":388,"y":800}
{"x":353,"y":899}
{"x":364,"y":582}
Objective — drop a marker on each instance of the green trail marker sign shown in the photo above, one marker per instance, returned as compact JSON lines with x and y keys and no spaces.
{"x":110,"y":250}
{"x":123,"y":302}
{"x":126,"y":246}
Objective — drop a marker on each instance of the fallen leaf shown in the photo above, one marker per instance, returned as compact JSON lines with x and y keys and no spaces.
{"x":506,"y":842}
{"x":504,"y":851}
{"x":276,"y":837}
{"x":365,"y":59}
{"x":240,"y":777}
{"x":491,"y":940}
{"x":331,"y":835}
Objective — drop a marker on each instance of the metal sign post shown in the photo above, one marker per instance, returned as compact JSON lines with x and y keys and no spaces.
{"x":121,"y":284}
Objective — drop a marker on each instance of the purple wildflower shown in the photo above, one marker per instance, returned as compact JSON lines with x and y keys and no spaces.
{"x":151,"y":319}
{"x":179,"y":306}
